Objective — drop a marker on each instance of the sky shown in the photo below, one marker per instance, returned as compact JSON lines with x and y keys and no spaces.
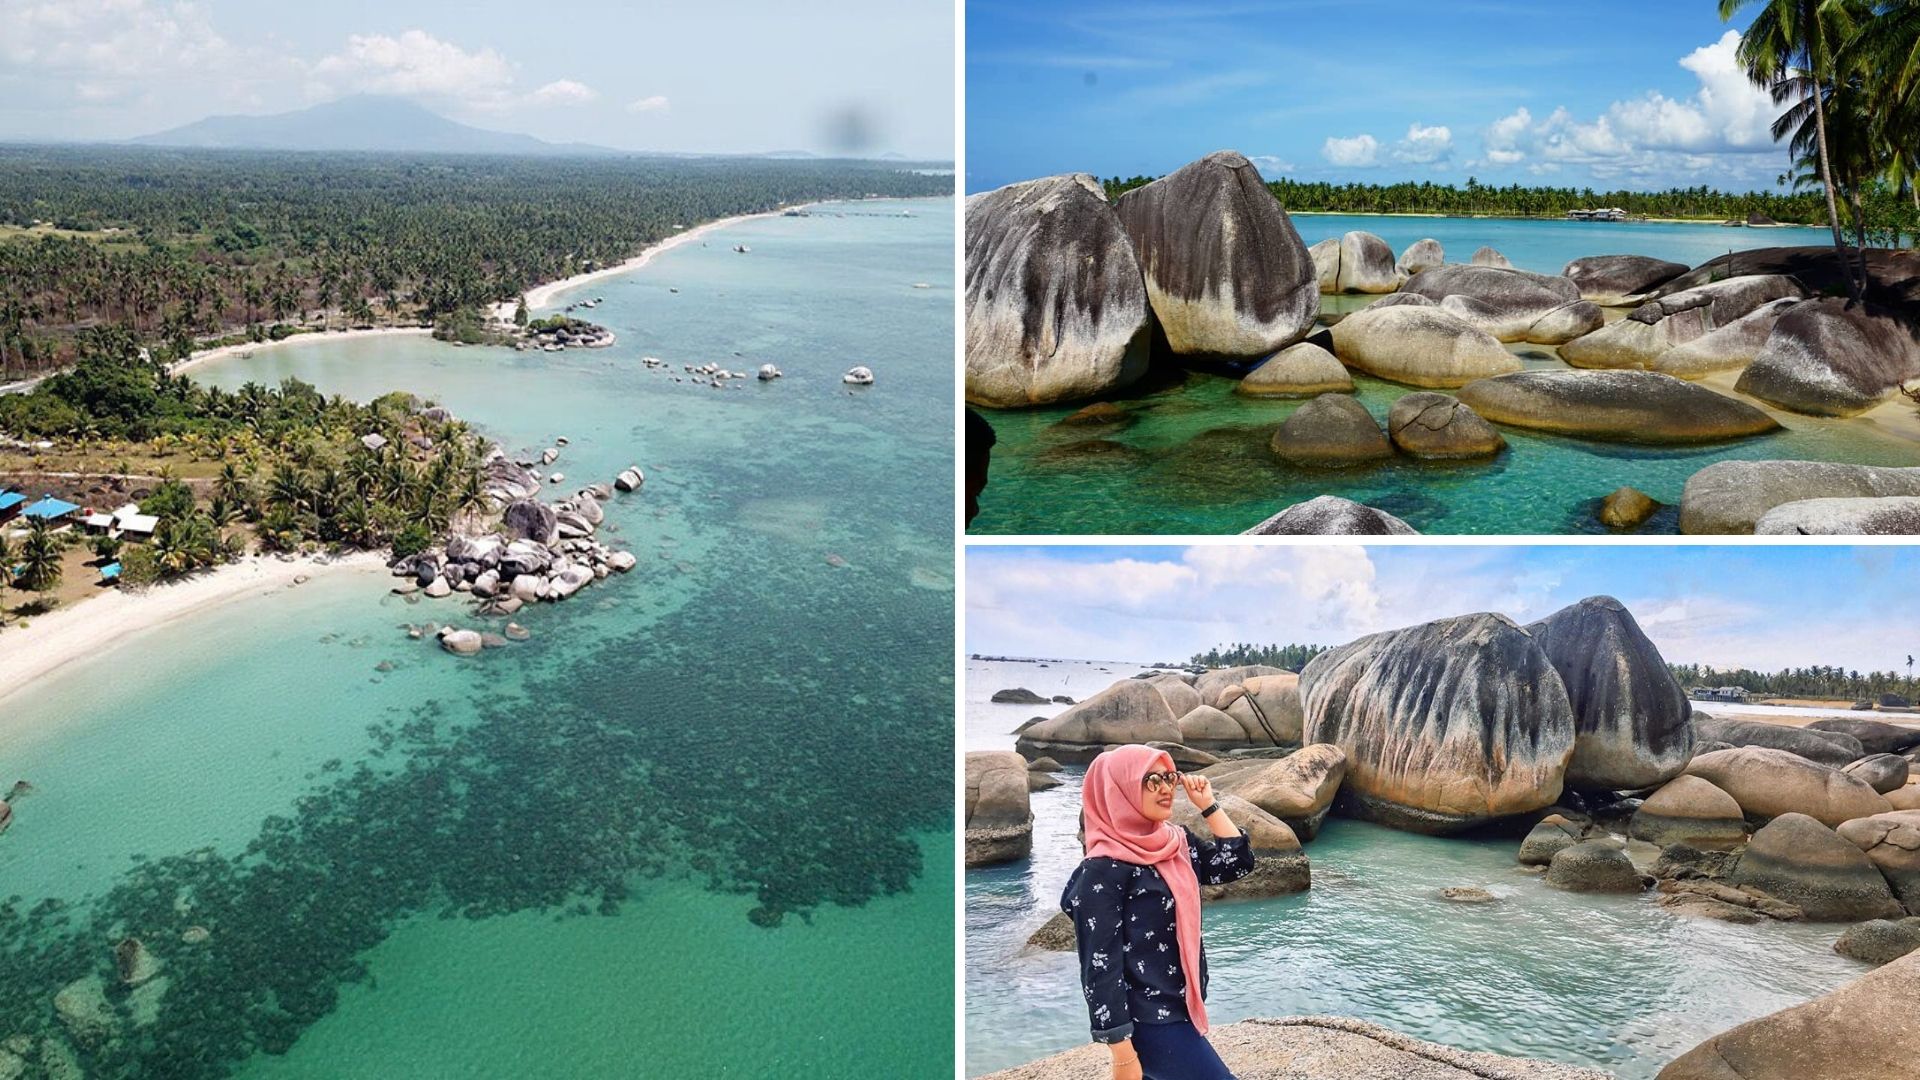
{"x":720,"y":76}
{"x":1643,"y":94}
{"x":1762,"y":607}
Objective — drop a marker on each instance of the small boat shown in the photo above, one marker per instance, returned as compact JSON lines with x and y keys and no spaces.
{"x":742,"y":248}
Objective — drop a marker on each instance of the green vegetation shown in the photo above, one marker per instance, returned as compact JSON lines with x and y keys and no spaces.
{"x":1807,"y":682}
{"x":1291,"y":657}
{"x":216,"y":242}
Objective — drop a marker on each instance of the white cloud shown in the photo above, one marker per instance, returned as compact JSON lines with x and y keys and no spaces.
{"x":107,"y":37}
{"x":1424,"y":145}
{"x":563,"y":92}
{"x":656,"y":103}
{"x":417,"y":64}
{"x":1359,"y":151}
{"x":1270,"y":165}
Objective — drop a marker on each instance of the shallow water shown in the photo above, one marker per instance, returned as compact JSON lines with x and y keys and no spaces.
{"x":1606,"y":981}
{"x":561,"y":858}
{"x":1194,"y":458}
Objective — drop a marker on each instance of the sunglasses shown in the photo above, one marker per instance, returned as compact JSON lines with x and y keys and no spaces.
{"x":1161,"y":781}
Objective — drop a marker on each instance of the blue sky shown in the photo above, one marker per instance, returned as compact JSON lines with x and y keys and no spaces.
{"x":714,"y":76}
{"x":1766,"y":607}
{"x":1637,"y":94}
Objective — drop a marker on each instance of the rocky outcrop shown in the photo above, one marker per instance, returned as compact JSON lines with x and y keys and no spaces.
{"x":1550,"y":836}
{"x":1366,"y":265}
{"x":1426,"y":424}
{"x":1691,"y":811}
{"x":1597,"y":865}
{"x":529,"y":519}
{"x":1656,"y":326}
{"x":1297,"y":371}
{"x":1632,"y":722}
{"x":1226,"y":273}
{"x":1129,"y":711}
{"x":1298,"y":789}
{"x":1881,"y":772}
{"x":1726,"y":348}
{"x":1324,"y":1048}
{"x":1018,"y":695}
{"x":999,"y":815}
{"x":1179,"y":692}
{"x":1826,"y":747}
{"x":1279,"y":866}
{"x":1511,"y":305}
{"x":1769,"y":783}
{"x":1331,"y":431}
{"x":1863,"y":1029}
{"x":1618,"y":280}
{"x":1486,"y":256}
{"x":1422,"y":255}
{"x":1880,"y":941}
{"x":1419,"y":346}
{"x":1891,"y":841}
{"x":1331,"y":515}
{"x":1212,"y":686}
{"x":1805,"y":863}
{"x":1445,"y":725}
{"x":1617,"y":406}
{"x":1825,"y":358}
{"x":1732,"y":496}
{"x":1208,"y":728}
{"x":1267,"y":708}
{"x":1627,"y":507}
{"x":1897,"y":515}
{"x":1056,"y":303}
{"x":1325,"y":256}
{"x":1874,"y":736}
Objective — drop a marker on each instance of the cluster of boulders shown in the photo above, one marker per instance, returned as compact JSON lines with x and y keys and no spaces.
{"x":570,"y":333}
{"x":532,"y":551}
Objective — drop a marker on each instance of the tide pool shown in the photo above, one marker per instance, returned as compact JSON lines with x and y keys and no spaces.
{"x":698,"y":825}
{"x":1606,"y":981}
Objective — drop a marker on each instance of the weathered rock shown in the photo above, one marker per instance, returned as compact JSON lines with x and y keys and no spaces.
{"x":1689,"y":810}
{"x":438,"y":589}
{"x":1226,"y":273}
{"x":1892,"y":842}
{"x":1330,"y":431}
{"x":1746,"y":897}
{"x":461,"y":642}
{"x":1185,"y":758}
{"x":1487,"y":256}
{"x":133,"y":962}
{"x":1129,"y":711}
{"x":1056,"y":305}
{"x":1299,"y":370}
{"x":1726,"y":348}
{"x":1467,"y":894}
{"x":1179,"y":692}
{"x":1658,"y":325}
{"x":1697,"y":906}
{"x":1799,"y":860}
{"x":1596,"y":865}
{"x":1874,"y":736}
{"x":1042,"y":781}
{"x":629,"y":479}
{"x":1207,"y":727}
{"x":483,"y":550}
{"x":1401,"y":299}
{"x":1732,"y":496}
{"x":1298,"y":789}
{"x":1631,"y":716}
{"x":1433,"y":425}
{"x":1826,"y":747}
{"x":1419,"y":346}
{"x":1893,"y":516}
{"x":1864,"y":1029}
{"x":1367,"y":265}
{"x":1054,"y":935}
{"x":1018,"y":695}
{"x":1620,"y":406}
{"x":1267,"y":708}
{"x":999,"y":815}
{"x":1549,"y":837}
{"x":1618,"y":280}
{"x":1880,"y":941}
{"x":1511,"y":305}
{"x":1768,"y":783}
{"x":1825,"y":358}
{"x":83,"y":1009}
{"x":529,"y":519}
{"x":1881,"y":772}
{"x":1325,"y":257}
{"x":1445,"y":725}
{"x":1422,"y":255}
{"x":1213,"y":684}
{"x":1331,"y":515}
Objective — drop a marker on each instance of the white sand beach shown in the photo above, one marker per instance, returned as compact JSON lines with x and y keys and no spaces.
{"x":209,"y":355}
{"x":542,"y":295}
{"x":48,"y":642}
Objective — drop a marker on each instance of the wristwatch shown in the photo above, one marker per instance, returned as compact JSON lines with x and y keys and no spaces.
{"x":1209,"y":811}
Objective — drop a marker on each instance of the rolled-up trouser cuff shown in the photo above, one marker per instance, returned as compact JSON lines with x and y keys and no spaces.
{"x":1114,"y":1034}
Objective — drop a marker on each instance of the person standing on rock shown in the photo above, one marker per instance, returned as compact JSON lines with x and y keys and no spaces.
{"x":1135,"y":906}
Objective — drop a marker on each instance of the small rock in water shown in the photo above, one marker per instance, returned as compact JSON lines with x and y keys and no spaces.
{"x":858,"y":376}
{"x":384,"y":665}
{"x":195,"y":935}
{"x":835,"y":560}
{"x":492,"y":641}
{"x":1467,"y":894}
{"x":1627,"y":507}
{"x":517,"y":632}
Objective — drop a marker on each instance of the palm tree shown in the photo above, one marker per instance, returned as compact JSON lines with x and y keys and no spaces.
{"x":39,"y":558}
{"x":6,"y":572}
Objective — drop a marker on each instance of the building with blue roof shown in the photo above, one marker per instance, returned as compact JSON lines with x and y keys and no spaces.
{"x":10,"y":504}
{"x":54,"y":511}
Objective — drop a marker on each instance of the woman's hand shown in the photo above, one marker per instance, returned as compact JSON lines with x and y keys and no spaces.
{"x":1126,"y":1060}
{"x":1199,"y":790}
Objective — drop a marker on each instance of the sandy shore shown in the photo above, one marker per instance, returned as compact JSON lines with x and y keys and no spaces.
{"x":209,"y":355}
{"x":1896,"y":418}
{"x":99,"y":624}
{"x":542,"y":295}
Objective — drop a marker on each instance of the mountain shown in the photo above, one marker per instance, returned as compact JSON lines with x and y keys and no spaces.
{"x":365,"y":123}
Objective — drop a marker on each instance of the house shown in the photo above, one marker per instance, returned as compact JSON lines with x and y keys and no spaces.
{"x":10,"y":504}
{"x":1720,"y":693}
{"x":56,"y":512}
{"x":129,"y":521}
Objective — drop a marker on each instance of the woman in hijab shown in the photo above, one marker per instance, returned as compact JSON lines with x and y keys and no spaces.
{"x":1135,"y":906}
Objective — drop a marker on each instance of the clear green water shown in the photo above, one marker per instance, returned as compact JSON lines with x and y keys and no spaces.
{"x":557,"y":859}
{"x":1605,"y":981}
{"x":1195,"y":459}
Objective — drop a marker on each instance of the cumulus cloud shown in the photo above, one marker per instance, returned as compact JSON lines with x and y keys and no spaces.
{"x":563,"y":92}
{"x":417,"y":64}
{"x":1270,"y":165}
{"x":1358,"y":151}
{"x":107,"y":51}
{"x":656,"y":103}
{"x":1424,"y":145}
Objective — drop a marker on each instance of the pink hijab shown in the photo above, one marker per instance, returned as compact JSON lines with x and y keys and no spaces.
{"x":1116,"y":829}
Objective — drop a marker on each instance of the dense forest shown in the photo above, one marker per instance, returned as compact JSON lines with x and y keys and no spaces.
{"x":1808,"y":682}
{"x":183,"y":246}
{"x":1291,"y":657}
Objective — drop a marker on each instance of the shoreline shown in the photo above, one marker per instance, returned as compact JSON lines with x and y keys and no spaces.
{"x":1522,"y":217}
{"x":96,"y":625}
{"x":207,"y":356}
{"x":542,"y":295}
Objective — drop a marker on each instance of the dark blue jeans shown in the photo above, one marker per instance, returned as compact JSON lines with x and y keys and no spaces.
{"x":1176,"y":1052}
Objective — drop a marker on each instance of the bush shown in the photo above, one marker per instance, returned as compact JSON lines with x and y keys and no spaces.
{"x":412,"y":540}
{"x":138,"y":567}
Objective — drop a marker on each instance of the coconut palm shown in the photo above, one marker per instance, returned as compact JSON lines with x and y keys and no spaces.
{"x":40,"y":567}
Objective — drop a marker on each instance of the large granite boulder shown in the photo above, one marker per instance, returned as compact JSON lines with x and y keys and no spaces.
{"x":1732,"y":496}
{"x":1207,"y":728}
{"x":1331,"y":515}
{"x":1874,"y":736}
{"x":1891,"y":841}
{"x":1427,"y":424}
{"x":1880,"y":941}
{"x":1512,"y":305}
{"x":1726,"y":348}
{"x":1769,"y":783}
{"x":1691,"y":811}
{"x":1419,"y":346}
{"x":1212,"y":685}
{"x":1897,"y":515}
{"x":1864,"y":1029}
{"x":1638,"y":340}
{"x":1597,"y":865}
{"x":1487,"y":256}
{"x":530,"y":519}
{"x":1825,"y":358}
{"x":1279,"y":865}
{"x":1422,"y":255}
{"x":999,"y":815}
{"x":1619,"y":406}
{"x":1549,"y":836}
{"x":1326,"y":264}
{"x":1267,"y":708}
{"x":1799,"y":860}
{"x":1179,"y":692}
{"x":1831,"y":748}
{"x":1298,"y":789}
{"x":1881,"y":772}
{"x":1056,"y":305}
{"x":1331,"y":431}
{"x":1446,"y":725}
{"x":1129,"y":711}
{"x":1632,"y":722}
{"x":1301,"y":370}
{"x":1367,"y":265}
{"x":1619,"y":280}
{"x":1226,"y":273}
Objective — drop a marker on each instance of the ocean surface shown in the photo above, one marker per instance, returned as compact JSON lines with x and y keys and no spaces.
{"x":697,"y":826}
{"x":1195,"y":459}
{"x":1605,"y":981}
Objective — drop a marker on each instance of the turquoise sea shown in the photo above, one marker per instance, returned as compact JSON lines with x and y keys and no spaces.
{"x":697,"y":826}
{"x":1609,"y":982}
{"x":1195,"y":458}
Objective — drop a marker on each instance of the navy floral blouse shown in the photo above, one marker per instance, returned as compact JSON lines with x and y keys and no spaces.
{"x":1123,"y":926}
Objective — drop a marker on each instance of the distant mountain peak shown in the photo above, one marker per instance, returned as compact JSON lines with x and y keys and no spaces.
{"x":360,"y":122}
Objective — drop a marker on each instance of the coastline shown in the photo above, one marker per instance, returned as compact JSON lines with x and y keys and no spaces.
{"x":223,"y":352}
{"x":1518,"y":217}
{"x":542,"y":295}
{"x":96,"y":625}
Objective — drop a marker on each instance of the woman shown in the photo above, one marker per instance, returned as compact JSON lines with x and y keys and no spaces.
{"x":1135,"y":906}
